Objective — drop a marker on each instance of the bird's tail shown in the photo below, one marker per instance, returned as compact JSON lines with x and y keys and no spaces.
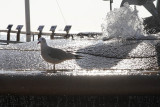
{"x":78,"y":57}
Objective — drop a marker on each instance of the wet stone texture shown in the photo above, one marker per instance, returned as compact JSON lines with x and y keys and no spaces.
{"x":80,"y":101}
{"x":97,"y":54}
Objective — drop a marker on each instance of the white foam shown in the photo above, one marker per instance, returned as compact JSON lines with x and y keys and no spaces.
{"x":123,"y":23}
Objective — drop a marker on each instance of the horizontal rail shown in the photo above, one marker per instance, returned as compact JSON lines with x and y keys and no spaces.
{"x":5,"y":41}
{"x":36,"y":33}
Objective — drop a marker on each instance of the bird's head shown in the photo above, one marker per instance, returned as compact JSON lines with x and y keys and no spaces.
{"x":41,"y":40}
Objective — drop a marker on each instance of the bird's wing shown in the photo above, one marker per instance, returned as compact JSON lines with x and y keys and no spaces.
{"x":57,"y":53}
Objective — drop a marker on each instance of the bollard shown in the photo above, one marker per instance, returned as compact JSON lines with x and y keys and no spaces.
{"x":67,"y":29}
{"x":40,"y":28}
{"x":19,"y":28}
{"x":53,"y":28}
{"x":8,"y":32}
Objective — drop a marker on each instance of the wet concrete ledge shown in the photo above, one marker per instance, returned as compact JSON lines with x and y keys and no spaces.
{"x":42,"y":84}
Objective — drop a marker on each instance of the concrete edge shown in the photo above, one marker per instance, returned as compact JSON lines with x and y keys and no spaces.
{"x":80,"y":85}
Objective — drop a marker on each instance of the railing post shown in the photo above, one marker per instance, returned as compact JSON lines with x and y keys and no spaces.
{"x":33,"y":37}
{"x":53,"y":28}
{"x":67,"y":29}
{"x":8,"y":32}
{"x":40,"y":28}
{"x":19,"y":28}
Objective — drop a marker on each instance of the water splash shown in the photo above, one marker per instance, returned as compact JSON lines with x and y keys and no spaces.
{"x":123,"y":23}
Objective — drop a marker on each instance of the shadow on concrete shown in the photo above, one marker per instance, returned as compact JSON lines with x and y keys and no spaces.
{"x":127,"y":54}
{"x":105,"y":56}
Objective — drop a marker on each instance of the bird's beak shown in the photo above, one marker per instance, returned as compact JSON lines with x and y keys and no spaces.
{"x":38,"y":42}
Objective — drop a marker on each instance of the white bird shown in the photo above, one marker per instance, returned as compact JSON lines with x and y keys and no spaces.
{"x":54,"y":55}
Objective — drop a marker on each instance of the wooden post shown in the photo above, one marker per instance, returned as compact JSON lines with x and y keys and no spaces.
{"x":40,"y":28}
{"x":52,"y":35}
{"x":27,"y":17}
{"x":8,"y":32}
{"x":40,"y":34}
{"x":53,"y":28}
{"x":19,"y":27}
{"x":33,"y":37}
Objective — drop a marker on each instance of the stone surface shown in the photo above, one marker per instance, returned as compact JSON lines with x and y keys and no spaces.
{"x":112,"y":54}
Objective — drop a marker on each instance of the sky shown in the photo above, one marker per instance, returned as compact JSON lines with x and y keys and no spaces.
{"x":83,"y":15}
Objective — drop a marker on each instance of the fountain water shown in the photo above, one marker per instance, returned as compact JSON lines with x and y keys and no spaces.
{"x":123,"y":23}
